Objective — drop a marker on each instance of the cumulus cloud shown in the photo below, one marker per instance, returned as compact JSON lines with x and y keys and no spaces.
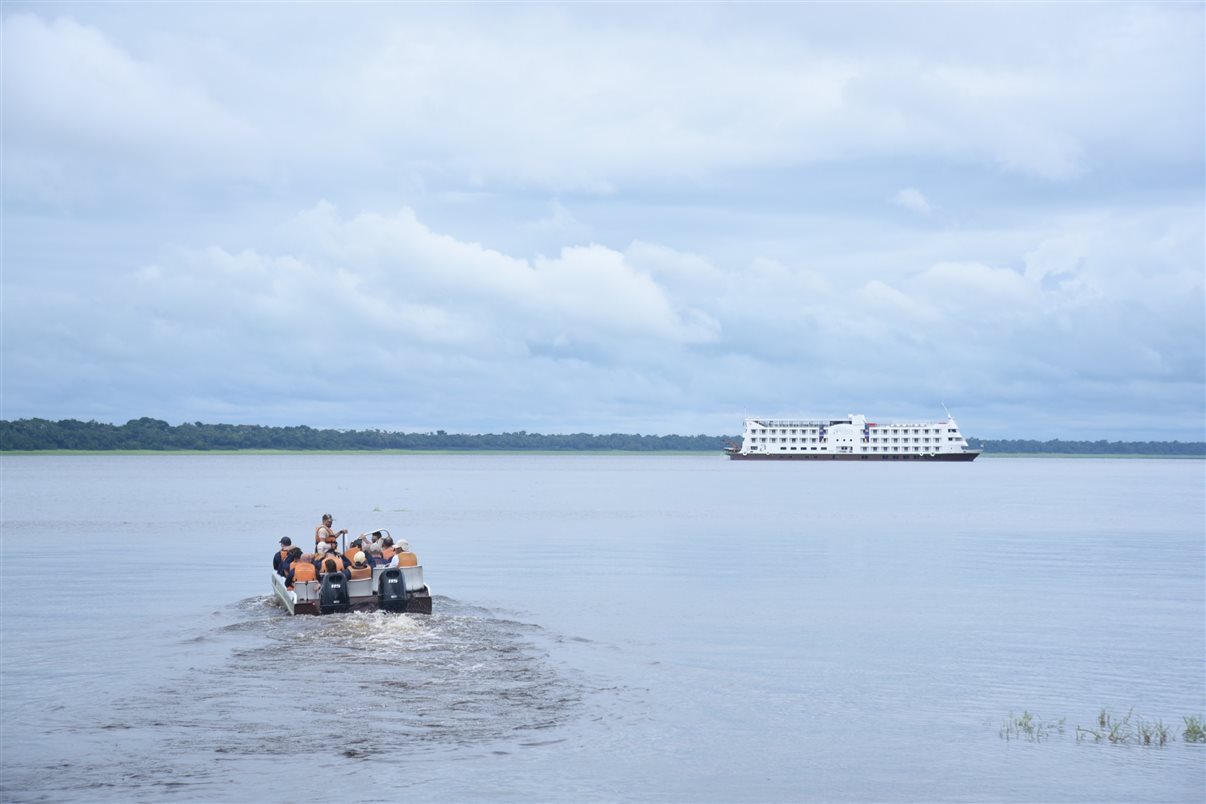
{"x":539,"y":220}
{"x":912,"y":199}
{"x":386,"y":304}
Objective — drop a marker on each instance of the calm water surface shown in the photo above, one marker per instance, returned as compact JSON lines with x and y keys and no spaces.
{"x":607,"y":628}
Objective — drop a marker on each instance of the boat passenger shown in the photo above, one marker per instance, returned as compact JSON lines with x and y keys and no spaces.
{"x":325,"y":533}
{"x":360,"y":567}
{"x":357,"y":545}
{"x":301,"y":569}
{"x":294,"y":554}
{"x":324,"y":554}
{"x":374,"y":555}
{"x":281,"y":556}
{"x":402,"y":556}
{"x":332,"y":564}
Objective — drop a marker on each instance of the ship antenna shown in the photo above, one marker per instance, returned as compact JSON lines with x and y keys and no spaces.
{"x":948,"y":412}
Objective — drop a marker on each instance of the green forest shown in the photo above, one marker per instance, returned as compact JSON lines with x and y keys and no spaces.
{"x":33,"y":435}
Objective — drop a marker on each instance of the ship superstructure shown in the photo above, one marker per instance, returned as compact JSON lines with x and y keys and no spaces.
{"x":852,"y":438}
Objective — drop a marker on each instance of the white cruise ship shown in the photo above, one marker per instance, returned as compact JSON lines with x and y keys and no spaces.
{"x":853,"y":439}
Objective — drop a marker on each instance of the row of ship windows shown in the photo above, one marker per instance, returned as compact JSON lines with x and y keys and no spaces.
{"x":764,"y":440}
{"x":883,"y":430}
{"x":863,"y":449}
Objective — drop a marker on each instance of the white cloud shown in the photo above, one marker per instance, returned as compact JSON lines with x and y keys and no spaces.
{"x":538,"y":98}
{"x":560,"y":216}
{"x":912,"y":199}
{"x":67,"y":85}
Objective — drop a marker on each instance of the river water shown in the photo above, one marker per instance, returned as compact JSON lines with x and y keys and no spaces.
{"x":650,"y":628}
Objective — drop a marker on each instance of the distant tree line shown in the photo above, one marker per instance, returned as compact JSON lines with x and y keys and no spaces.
{"x":1090,"y":447}
{"x":153,"y":434}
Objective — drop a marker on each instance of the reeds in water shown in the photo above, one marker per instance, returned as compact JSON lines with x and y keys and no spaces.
{"x":1107,"y":729}
{"x":1029,"y":727}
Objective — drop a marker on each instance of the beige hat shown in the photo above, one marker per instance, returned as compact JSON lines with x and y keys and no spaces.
{"x":359,"y":558}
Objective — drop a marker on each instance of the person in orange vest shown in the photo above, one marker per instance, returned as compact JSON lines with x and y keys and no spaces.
{"x":301,"y":569}
{"x":324,"y":533}
{"x":360,"y":567}
{"x":357,"y":545}
{"x":291,"y":555}
{"x":398,"y":555}
{"x":282,"y":556}
{"x":333,"y":564}
{"x":387,"y":549}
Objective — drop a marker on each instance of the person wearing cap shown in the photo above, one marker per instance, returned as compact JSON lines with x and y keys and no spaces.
{"x":325,"y":533}
{"x":360,"y":567}
{"x":399,"y":554}
{"x":281,"y":556}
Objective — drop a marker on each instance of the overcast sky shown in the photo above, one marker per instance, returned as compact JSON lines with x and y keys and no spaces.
{"x":607,"y":218}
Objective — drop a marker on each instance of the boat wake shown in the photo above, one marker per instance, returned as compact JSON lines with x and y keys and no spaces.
{"x":262,"y":689}
{"x":460,"y":676}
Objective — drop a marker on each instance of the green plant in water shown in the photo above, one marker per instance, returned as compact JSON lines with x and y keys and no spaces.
{"x":1120,"y":731}
{"x":1152,"y":733}
{"x":1084,"y":734}
{"x":1028,"y":727}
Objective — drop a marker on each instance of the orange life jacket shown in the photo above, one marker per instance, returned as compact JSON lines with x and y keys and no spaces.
{"x":284,"y":555}
{"x":361,"y":572}
{"x":303,"y":571}
{"x":331,"y":537}
{"x":387,"y":553}
{"x":321,"y":568}
{"x":408,"y":560}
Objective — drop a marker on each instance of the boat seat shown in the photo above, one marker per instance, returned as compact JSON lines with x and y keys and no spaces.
{"x":307,"y":590}
{"x":361,"y":587}
{"x":413,"y":577}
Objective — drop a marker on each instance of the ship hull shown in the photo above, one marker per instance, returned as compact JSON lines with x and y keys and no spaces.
{"x":970,"y":455}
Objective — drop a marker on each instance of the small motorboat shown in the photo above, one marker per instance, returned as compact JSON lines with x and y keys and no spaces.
{"x":398,"y":589}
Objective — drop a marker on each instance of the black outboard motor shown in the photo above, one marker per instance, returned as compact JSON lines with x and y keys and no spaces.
{"x":333,"y":597}
{"x":391,"y":590}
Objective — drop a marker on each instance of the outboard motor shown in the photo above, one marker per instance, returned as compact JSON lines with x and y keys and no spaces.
{"x":391,"y":590}
{"x":333,"y":597}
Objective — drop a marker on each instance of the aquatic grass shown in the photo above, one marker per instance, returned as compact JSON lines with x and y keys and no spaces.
{"x":1107,"y":729}
{"x":1154,"y":733}
{"x":1120,"y":731}
{"x":1030,"y":728}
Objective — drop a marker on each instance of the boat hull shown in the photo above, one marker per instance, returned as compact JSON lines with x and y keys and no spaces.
{"x":969,"y":455}
{"x":304,"y":598}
